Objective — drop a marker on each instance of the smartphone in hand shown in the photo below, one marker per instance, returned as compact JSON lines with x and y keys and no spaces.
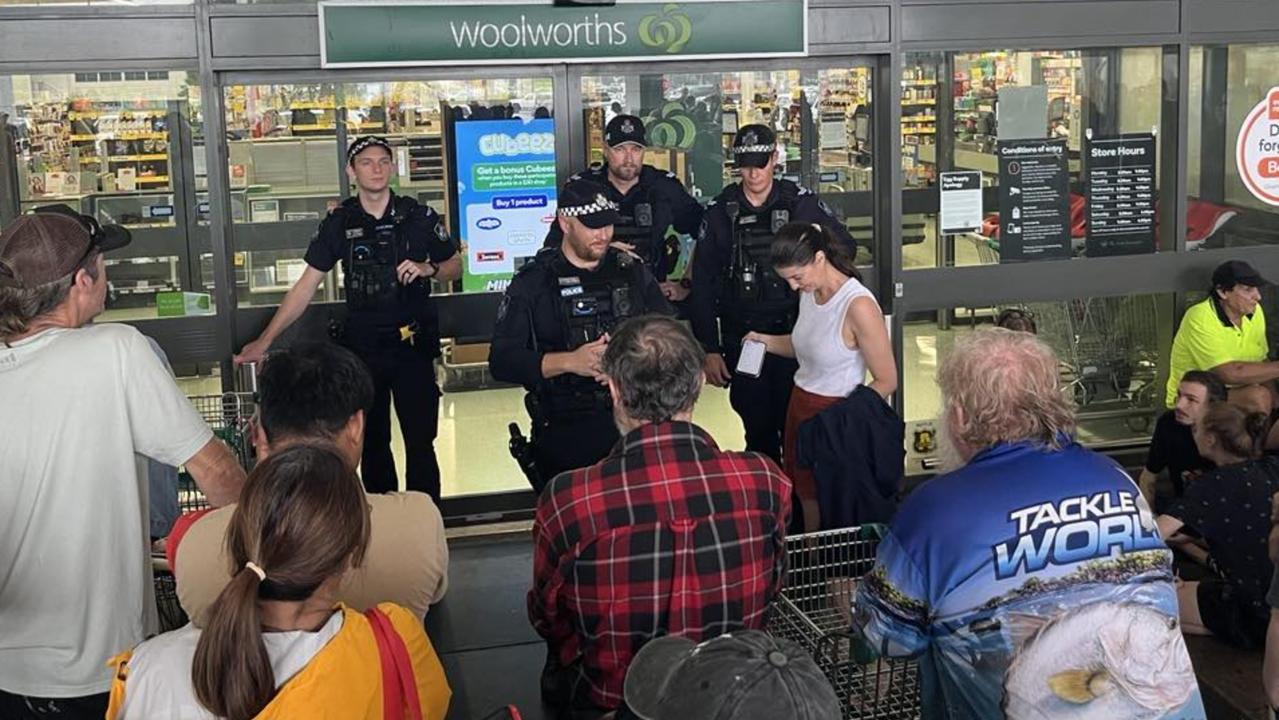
{"x":751,"y":361}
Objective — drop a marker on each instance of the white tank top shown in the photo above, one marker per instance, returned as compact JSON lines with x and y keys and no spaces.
{"x":827,"y":366}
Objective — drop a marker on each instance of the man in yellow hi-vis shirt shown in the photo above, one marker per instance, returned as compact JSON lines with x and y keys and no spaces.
{"x":1226,"y":334}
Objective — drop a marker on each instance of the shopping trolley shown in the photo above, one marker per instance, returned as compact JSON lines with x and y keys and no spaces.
{"x":814,"y":609}
{"x":230,"y":416}
{"x":1108,"y":351}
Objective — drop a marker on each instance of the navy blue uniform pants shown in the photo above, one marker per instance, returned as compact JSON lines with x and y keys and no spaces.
{"x":571,"y":443}
{"x":403,"y":374}
{"x":761,"y":402}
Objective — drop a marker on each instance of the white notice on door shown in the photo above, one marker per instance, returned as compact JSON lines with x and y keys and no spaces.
{"x":960,"y":202}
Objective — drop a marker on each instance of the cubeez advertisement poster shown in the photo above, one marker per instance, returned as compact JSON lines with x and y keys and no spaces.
{"x":505,"y":172}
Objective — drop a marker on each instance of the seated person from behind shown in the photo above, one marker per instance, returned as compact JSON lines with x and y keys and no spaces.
{"x":278,"y":644}
{"x":745,"y":675}
{"x":1173,"y":444}
{"x":1226,"y":334}
{"x":667,"y":535}
{"x":1030,"y":578}
{"x":1229,"y":509}
{"x":309,"y":393}
{"x":1270,"y":665}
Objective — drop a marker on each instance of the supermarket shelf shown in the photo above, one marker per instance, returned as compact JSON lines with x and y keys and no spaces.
{"x":153,"y":179}
{"x":121,"y":136}
{"x":137,"y":158}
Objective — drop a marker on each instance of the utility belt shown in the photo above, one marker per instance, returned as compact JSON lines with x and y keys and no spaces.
{"x":357,"y":335}
{"x":567,"y":401}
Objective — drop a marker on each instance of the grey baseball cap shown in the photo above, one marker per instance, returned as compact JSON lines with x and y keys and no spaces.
{"x":747,"y":675}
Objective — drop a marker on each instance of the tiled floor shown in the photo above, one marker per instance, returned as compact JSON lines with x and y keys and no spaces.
{"x":490,"y":654}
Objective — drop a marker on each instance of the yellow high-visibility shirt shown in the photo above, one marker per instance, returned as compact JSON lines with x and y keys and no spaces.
{"x":1206,"y":339}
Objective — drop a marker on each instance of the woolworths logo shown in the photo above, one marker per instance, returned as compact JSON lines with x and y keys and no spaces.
{"x":370,"y":33}
{"x":668,"y":31}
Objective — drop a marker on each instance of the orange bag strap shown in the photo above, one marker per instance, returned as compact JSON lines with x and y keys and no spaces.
{"x":399,"y":687}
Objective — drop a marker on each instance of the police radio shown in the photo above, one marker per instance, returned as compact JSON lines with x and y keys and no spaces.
{"x":644,"y":215}
{"x":779,"y":219}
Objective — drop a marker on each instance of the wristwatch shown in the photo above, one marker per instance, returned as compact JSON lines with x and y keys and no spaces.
{"x":435,"y":268}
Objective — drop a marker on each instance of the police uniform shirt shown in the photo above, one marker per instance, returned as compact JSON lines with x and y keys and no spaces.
{"x":714,"y":250}
{"x":530,"y":322}
{"x":423,"y":232}
{"x":672,"y":205}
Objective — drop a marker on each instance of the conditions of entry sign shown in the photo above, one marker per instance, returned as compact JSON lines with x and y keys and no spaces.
{"x":1034,"y":200}
{"x":1257,"y":151}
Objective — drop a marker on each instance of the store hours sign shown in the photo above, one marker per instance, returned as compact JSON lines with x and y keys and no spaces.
{"x":1257,"y":150}
{"x":373,"y":34}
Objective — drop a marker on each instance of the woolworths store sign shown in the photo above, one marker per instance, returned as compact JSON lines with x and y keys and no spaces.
{"x":363,"y":34}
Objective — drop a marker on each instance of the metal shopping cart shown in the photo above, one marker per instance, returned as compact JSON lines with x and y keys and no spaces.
{"x":1108,"y":350}
{"x":815,"y":610}
{"x":229,"y":415}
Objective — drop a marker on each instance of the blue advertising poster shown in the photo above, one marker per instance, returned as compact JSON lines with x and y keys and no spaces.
{"x":506,"y":195}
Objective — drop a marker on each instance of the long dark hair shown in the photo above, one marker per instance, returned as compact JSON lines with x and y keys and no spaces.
{"x":303,"y":519}
{"x":1238,"y":432}
{"x":797,"y":244}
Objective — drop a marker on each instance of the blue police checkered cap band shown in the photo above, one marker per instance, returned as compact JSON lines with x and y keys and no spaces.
{"x":753,"y":149}
{"x":598,"y":204}
{"x":364,"y":143}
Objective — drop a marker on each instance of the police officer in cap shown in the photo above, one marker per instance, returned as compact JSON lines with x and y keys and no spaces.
{"x":736,"y":291}
{"x":553,"y":324}
{"x":390,"y":247}
{"x":650,"y":201}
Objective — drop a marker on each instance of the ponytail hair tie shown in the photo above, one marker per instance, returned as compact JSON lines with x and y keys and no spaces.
{"x":256,"y":570}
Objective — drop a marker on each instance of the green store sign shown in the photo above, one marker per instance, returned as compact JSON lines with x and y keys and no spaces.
{"x":364,"y":34}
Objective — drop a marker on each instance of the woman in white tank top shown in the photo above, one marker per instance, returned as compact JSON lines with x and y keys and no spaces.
{"x":840,"y":334}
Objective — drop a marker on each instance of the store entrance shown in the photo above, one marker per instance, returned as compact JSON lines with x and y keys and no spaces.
{"x":821,"y":112}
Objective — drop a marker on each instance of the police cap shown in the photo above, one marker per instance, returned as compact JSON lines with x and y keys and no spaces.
{"x":753,"y":145}
{"x":588,"y":202}
{"x":624,"y":129}
{"x":363,"y":143}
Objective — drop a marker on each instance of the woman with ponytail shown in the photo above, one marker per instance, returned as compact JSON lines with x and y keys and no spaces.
{"x":1227,"y":510}
{"x":277,"y":645}
{"x":839,"y":335}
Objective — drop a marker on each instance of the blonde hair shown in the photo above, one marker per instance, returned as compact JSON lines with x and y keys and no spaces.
{"x":1008,"y":386}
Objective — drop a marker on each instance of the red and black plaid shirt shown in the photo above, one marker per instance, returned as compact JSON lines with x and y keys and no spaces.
{"x":668,"y":535}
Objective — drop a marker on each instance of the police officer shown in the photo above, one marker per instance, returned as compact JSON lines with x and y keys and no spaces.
{"x":390,"y":248}
{"x":552,"y":326}
{"x":734,"y":283}
{"x":650,"y":201}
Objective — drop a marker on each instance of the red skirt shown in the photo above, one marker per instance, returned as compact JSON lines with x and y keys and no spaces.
{"x":803,"y":405}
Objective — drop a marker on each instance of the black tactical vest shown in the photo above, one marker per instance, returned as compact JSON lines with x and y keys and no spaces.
{"x":589,"y":306}
{"x":376,"y":248}
{"x":757,"y":298}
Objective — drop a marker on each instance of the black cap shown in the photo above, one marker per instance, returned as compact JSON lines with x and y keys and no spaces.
{"x":1236,"y":272}
{"x":50,"y":244}
{"x":588,"y":202}
{"x":624,"y":129}
{"x":364,"y":143}
{"x":753,"y":145}
{"x":745,"y":675}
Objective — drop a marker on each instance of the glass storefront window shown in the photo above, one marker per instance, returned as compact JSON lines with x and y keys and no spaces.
{"x":957,"y":107}
{"x":285,"y":163}
{"x":1113,"y":353}
{"x":1227,"y":208}
{"x":116,"y":145}
{"x":822,"y":119}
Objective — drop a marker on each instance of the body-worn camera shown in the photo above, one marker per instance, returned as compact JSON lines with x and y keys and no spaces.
{"x":596,"y":312}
